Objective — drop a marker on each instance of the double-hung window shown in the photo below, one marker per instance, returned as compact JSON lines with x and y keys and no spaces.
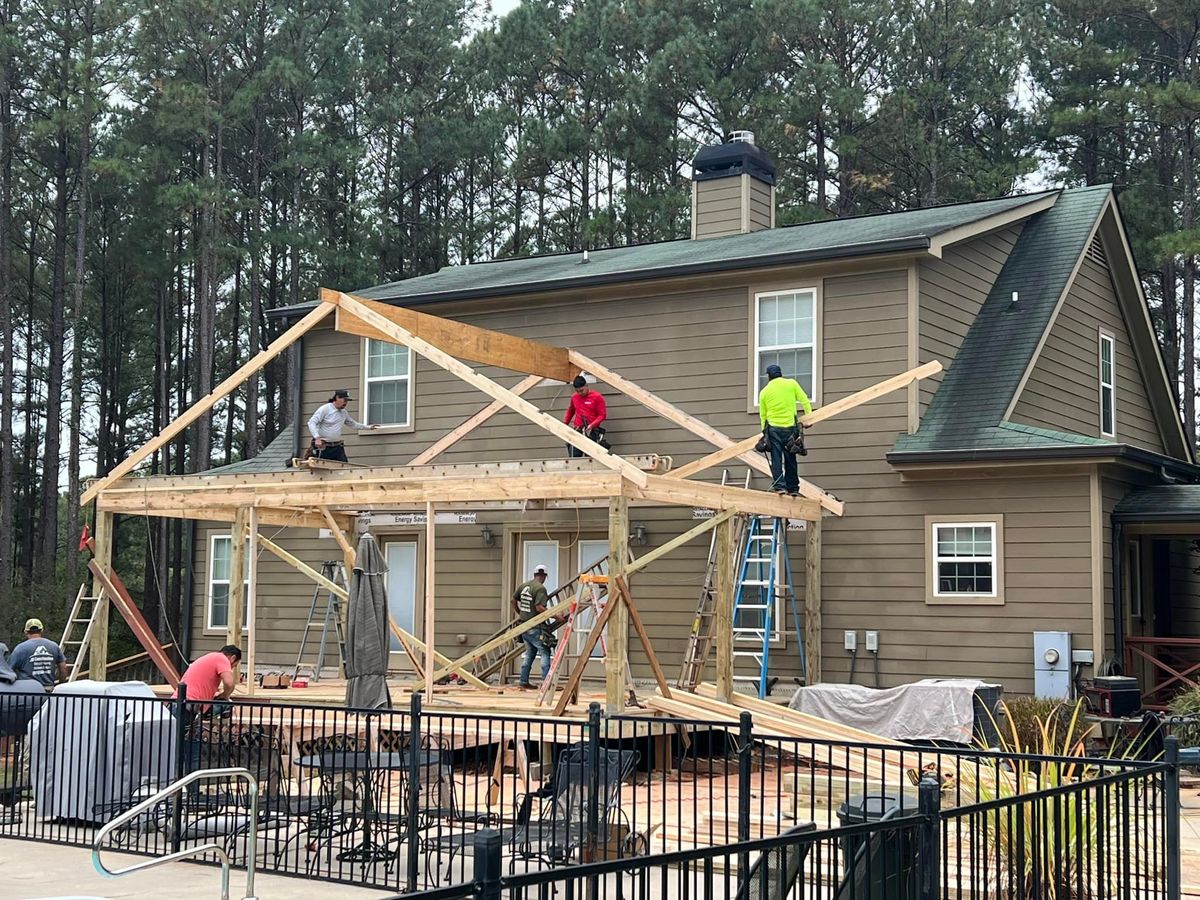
{"x":387,"y":384}
{"x":784,"y":335}
{"x":966,"y":561}
{"x":1108,"y":386}
{"x":220,"y":560}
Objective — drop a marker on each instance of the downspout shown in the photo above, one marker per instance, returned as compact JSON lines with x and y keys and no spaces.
{"x":1118,"y":534}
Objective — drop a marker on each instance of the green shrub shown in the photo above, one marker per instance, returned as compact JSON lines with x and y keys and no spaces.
{"x":1029,"y":722}
{"x":1187,"y":704}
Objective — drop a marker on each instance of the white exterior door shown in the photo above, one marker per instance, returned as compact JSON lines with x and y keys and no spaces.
{"x":401,"y":557}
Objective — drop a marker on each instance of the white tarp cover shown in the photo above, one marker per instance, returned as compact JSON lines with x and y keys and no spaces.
{"x":93,"y":743}
{"x":927,"y":710}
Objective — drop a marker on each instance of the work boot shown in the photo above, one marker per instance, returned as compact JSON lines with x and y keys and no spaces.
{"x":525,"y":686}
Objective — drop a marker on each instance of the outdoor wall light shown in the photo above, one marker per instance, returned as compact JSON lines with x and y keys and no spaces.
{"x":489,"y":537}
{"x":639,"y":535}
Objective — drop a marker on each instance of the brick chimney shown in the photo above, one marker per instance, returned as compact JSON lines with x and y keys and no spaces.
{"x":733,"y":188}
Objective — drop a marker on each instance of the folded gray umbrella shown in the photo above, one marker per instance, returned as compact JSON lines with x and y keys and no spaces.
{"x":367,"y":631}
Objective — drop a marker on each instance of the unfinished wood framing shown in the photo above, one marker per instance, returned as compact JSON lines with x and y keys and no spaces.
{"x":251,"y":599}
{"x":97,"y":647}
{"x":812,"y":604}
{"x":235,"y":607}
{"x":332,"y":496}
{"x":618,"y":632}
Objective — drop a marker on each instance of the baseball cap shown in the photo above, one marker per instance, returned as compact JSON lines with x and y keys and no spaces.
{"x":34,"y":625}
{"x":773,"y":371}
{"x":342,"y":392}
{"x":540,"y":570}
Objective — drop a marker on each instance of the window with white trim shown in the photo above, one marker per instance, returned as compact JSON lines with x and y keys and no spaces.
{"x":784,"y":330}
{"x":387,"y":384}
{"x":220,"y":558}
{"x":965,"y":560}
{"x":1108,"y":389}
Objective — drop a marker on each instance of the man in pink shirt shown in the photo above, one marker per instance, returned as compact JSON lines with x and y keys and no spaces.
{"x":211,"y":676}
{"x":585,"y":413}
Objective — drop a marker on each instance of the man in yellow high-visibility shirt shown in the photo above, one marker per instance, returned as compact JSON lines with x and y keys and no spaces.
{"x":777,"y":411}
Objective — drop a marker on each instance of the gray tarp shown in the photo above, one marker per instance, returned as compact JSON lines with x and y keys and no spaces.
{"x":931,"y":710}
{"x":367,"y":631}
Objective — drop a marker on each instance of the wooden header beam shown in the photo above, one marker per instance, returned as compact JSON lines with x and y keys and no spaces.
{"x":469,"y":342}
{"x":196,"y":410}
{"x":129,"y":505}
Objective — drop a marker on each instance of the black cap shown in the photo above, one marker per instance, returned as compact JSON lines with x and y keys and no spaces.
{"x":773,"y":371}
{"x":579,"y":381}
{"x":341,"y":392}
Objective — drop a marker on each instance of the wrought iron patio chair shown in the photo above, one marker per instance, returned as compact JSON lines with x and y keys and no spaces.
{"x":775,"y":873}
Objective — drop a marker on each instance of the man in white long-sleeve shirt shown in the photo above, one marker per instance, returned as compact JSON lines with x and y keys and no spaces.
{"x":326,"y":425}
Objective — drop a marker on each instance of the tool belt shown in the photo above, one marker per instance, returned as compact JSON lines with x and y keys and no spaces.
{"x":596,"y":434}
{"x":331,"y":443}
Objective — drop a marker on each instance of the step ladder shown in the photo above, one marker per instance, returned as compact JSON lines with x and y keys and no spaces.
{"x":700,"y":639}
{"x":765,"y":578}
{"x":82,"y":617}
{"x":329,"y":621}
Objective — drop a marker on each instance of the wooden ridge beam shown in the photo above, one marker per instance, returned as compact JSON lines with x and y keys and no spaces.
{"x":469,"y":342}
{"x":449,"y":440}
{"x":399,"y":335}
{"x":196,"y":410}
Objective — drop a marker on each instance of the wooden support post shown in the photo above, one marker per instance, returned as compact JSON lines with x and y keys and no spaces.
{"x":236,"y":610}
{"x":723,"y":610}
{"x":252,"y":601}
{"x":430,"y":637}
{"x":97,"y":648}
{"x":618,"y":633}
{"x":812,"y":604}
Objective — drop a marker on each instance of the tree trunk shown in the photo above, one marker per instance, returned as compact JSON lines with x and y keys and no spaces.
{"x":8,"y":348}
{"x":1188,"y":215}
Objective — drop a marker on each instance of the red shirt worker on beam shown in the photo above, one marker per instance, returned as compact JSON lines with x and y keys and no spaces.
{"x":585,"y":413}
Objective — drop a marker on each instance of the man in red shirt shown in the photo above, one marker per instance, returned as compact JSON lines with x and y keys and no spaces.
{"x":585,"y":413}
{"x":212,"y":676}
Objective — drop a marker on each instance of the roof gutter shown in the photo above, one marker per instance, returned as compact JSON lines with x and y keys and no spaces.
{"x":873,"y":248}
{"x":1123,"y":452}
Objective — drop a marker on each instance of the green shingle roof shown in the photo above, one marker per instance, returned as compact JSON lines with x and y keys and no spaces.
{"x":1163,"y":503}
{"x":836,"y":238}
{"x":967,"y":412}
{"x":274,"y":457}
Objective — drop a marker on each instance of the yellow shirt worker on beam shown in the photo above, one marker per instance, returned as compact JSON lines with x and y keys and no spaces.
{"x":777,"y":411}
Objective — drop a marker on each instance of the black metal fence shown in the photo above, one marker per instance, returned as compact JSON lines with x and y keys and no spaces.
{"x":397,"y":799}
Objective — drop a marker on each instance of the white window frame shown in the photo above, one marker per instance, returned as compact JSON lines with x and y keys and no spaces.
{"x":367,"y":381}
{"x":1109,"y":341}
{"x":208,"y":599}
{"x":812,"y":388}
{"x":934,"y":593}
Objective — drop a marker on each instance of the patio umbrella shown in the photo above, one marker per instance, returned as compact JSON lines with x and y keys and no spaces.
{"x":367,"y":631}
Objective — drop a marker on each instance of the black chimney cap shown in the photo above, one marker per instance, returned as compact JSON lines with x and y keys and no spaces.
{"x":733,"y":158}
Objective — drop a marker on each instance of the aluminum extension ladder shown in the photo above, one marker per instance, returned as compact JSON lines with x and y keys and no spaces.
{"x":335,"y":571}
{"x":77,"y":620}
{"x":764,"y":578}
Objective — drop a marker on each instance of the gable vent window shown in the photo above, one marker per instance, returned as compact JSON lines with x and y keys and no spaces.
{"x":1095,"y":253}
{"x":1108,"y":386}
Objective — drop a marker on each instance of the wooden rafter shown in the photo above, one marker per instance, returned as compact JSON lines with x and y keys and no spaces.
{"x":478,"y":345}
{"x":399,"y":335}
{"x":194,"y":412}
{"x":440,"y":446}
{"x":718,"y":439}
{"x":816,"y":416}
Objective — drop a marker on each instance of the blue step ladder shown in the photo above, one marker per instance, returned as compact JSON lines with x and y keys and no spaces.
{"x":764,"y":579}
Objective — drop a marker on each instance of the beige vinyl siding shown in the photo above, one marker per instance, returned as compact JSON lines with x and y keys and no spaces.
{"x":1112,"y":490}
{"x":1063,"y":390}
{"x":718,"y":207}
{"x":952,"y":290}
{"x":761,"y":201}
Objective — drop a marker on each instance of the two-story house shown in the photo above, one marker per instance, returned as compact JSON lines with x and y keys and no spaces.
{"x":979,"y":505}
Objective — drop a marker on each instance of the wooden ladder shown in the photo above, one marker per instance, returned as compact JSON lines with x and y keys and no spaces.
{"x":700,"y":638}
{"x":76,"y":620}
